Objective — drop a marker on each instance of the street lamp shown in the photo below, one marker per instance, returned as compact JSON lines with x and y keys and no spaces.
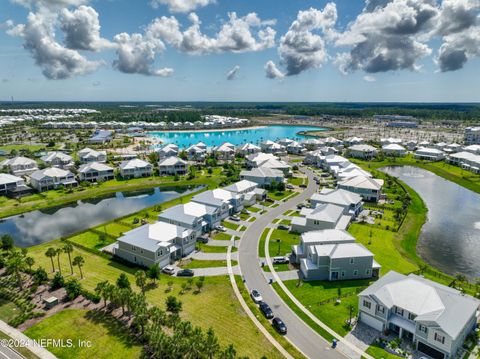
{"x":278,"y":241}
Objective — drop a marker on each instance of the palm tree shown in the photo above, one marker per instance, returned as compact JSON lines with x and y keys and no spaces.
{"x":103,"y":289}
{"x":141,"y":279}
{"x":68,"y":248}
{"x":58,"y":251}
{"x":50,"y":253}
{"x":30,"y":262}
{"x":211,"y":346}
{"x":15,"y":265}
{"x":79,"y":262}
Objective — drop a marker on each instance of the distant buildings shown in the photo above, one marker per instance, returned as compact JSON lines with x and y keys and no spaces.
{"x":364,"y":152}
{"x":472,"y":136}
{"x":88,"y":155}
{"x":429,"y":154}
{"x":101,"y":137}
{"x":394,"y":149}
{"x":20,"y":166}
{"x":58,"y":159}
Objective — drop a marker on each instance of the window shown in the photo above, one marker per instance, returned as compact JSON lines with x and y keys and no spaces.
{"x":422,"y":328}
{"x":352,"y":260}
{"x":380,"y":309}
{"x":367,"y":304}
{"x":439,"y":338}
{"x":343,"y":273}
{"x":411,"y":316}
{"x":134,"y":248}
{"x":367,"y":272}
{"x":399,"y":311}
{"x":355,"y":272}
{"x":141,"y":250}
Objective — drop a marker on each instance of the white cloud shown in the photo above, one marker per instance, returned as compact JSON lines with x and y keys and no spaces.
{"x":300,"y":48}
{"x":82,"y":29}
{"x":232,"y":74}
{"x":369,"y":78}
{"x":56,"y":61}
{"x":272,"y":71}
{"x":49,"y":3}
{"x":181,"y":5}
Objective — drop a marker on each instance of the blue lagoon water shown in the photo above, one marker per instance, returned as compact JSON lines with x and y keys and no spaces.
{"x":236,"y":137}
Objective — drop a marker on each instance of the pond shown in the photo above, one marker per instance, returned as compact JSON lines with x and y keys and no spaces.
{"x":235,"y":136}
{"x":450,"y":239}
{"x":36,"y":227}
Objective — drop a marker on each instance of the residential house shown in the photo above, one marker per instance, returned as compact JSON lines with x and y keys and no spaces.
{"x":276,"y":164}
{"x":256,"y":159}
{"x":394,"y":149}
{"x":367,"y":187}
{"x":135,"y":168}
{"x":411,"y":145}
{"x":364,"y":152}
{"x":51,"y":178}
{"x":169,"y":150}
{"x":391,"y":141}
{"x":263,"y":176}
{"x":334,"y":142}
{"x":312,"y":144}
{"x":172,"y":166}
{"x":435,"y":318}
{"x":472,"y":136}
{"x":12,"y":186}
{"x":248,"y":149}
{"x":88,"y":155}
{"x":272,"y":147}
{"x":323,"y":216}
{"x":249,"y":189}
{"x":472,"y":149}
{"x":58,"y":159}
{"x":20,"y":166}
{"x":465,"y":160}
{"x":101,"y":136}
{"x":353,"y":141}
{"x":95,"y":171}
{"x":197,"y":152}
{"x":159,"y":244}
{"x":198,"y":217}
{"x":351,"y":202}
{"x":220,"y":198}
{"x":225,"y":151}
{"x":452,"y":148}
{"x":296,"y":148}
{"x":429,"y":154}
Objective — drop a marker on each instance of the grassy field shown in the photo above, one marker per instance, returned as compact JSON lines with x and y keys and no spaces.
{"x":378,"y":352}
{"x":27,"y":354}
{"x":253,"y":209}
{"x":277,"y":196}
{"x":60,"y":197}
{"x":261,"y":243}
{"x":8,"y":310}
{"x":31,"y":148}
{"x":230,"y":225}
{"x":195,"y":263}
{"x":286,"y":238}
{"x":109,"y":338}
{"x":213,"y":249}
{"x":296,"y":181}
{"x":216,"y":293}
{"x":335,"y":315}
{"x":221,"y":236}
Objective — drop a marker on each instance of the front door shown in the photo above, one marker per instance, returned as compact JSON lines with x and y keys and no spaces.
{"x":334,"y":276}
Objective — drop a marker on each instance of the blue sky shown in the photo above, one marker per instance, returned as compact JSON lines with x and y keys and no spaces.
{"x":339,"y":51}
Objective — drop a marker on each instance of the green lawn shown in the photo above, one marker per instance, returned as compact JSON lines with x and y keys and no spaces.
{"x":216,"y":293}
{"x":334,"y":315}
{"x":286,"y":238}
{"x":253,"y":209}
{"x":296,"y":181}
{"x":222,"y":236}
{"x":378,"y":352}
{"x":8,"y":310}
{"x":31,"y":148}
{"x":232,"y":226}
{"x":277,"y":196}
{"x":277,"y":267}
{"x":214,"y":249}
{"x":27,"y":354}
{"x":109,"y":338}
{"x":261,"y":243}
{"x":195,"y":263}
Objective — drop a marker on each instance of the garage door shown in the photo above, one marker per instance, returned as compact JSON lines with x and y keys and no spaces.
{"x":432,"y":352}
{"x":371,"y":321}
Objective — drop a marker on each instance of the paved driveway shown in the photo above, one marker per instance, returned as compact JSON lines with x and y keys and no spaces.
{"x":299,"y":333}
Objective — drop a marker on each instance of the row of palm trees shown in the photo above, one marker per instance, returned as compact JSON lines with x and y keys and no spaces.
{"x":163,"y":332}
{"x":67,"y":248}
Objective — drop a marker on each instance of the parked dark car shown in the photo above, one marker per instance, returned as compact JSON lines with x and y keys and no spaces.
{"x":283,"y":227}
{"x":202,"y":239}
{"x":266,"y":310}
{"x":185,"y":273}
{"x":303,"y":186}
{"x":279,"y":325}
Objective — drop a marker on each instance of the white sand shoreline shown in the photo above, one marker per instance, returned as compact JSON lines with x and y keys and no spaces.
{"x":210,"y":130}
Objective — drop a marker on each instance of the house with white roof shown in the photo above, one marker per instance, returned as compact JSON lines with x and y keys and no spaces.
{"x":248,"y":149}
{"x":364,"y":152}
{"x":466,"y":160}
{"x":394,"y":150}
{"x":352,"y":170}
{"x":20,"y":166}
{"x":368,"y":188}
{"x":315,"y":157}
{"x":273,"y":147}
{"x":296,"y":148}
{"x":135,"y":168}
{"x":172,"y":166}
{"x":263,"y":176}
{"x":256,"y":159}
{"x":95,"y":171}
{"x":334,"y":142}
{"x":51,"y":178}
{"x":276,"y":164}
{"x":285,"y":141}
{"x":88,"y":155}
{"x":391,"y":141}
{"x":351,"y":202}
{"x":475,"y":149}
{"x":323,"y":216}
{"x":411,"y":145}
{"x":434,"y":317}
{"x":168,"y":150}
{"x":58,"y":159}
{"x":220,"y":198}
{"x":12,"y":186}
{"x":353,"y":141}
{"x":197,"y":152}
{"x":249,"y":189}
{"x":159,"y":244}
{"x":329,"y":161}
{"x":225,"y":151}
{"x":198,"y":217}
{"x":312,"y":144}
{"x":452,"y":148}
{"x":429,"y":154}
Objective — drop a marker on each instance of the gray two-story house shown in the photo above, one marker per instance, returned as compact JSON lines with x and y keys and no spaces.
{"x":435,"y":318}
{"x":155,"y":244}
{"x":351,"y":202}
{"x":227,"y":202}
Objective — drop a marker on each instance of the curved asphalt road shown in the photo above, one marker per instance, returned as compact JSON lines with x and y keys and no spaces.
{"x":299,"y":333}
